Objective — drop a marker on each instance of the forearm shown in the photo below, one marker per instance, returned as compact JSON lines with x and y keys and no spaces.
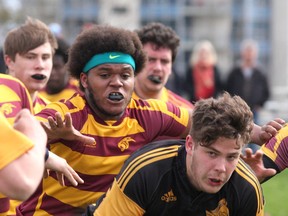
{"x":20,"y":178}
{"x":255,"y":135}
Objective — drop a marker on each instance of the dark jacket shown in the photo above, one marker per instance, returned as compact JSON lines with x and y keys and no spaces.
{"x":257,"y":89}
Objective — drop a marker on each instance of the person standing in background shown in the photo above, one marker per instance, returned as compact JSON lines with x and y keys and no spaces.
{"x":248,"y":81}
{"x":203,"y":76}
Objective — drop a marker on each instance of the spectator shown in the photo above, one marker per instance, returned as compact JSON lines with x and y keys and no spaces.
{"x":248,"y":81}
{"x":203,"y":76}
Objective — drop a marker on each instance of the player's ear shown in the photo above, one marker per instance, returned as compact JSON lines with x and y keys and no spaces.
{"x":84,"y":79}
{"x":189,"y":143}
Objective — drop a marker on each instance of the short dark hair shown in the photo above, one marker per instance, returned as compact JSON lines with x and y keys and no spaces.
{"x":161,"y":36}
{"x":104,"y":38}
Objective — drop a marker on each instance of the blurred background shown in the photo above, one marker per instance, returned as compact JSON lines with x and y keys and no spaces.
{"x":223,"y":22}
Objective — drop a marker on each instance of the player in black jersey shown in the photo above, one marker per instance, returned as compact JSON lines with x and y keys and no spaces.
{"x":200,"y":176}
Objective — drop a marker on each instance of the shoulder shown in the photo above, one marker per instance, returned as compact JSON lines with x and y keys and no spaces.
{"x":245,"y":182}
{"x":246,"y":189}
{"x":177,"y":99}
{"x":150,"y":161}
{"x":148,"y":105}
{"x":11,"y":81}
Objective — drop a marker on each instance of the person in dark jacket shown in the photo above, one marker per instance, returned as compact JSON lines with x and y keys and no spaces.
{"x":248,"y":81}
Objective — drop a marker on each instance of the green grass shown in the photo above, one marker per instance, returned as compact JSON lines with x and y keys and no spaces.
{"x":276,"y":195}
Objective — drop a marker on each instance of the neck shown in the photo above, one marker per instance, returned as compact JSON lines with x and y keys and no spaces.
{"x":33,"y":95}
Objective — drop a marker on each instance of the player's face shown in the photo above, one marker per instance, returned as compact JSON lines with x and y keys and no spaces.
{"x":209,"y":168}
{"x":59,"y":75}
{"x":156,"y":73}
{"x":109,"y":88}
{"x":32,"y":68}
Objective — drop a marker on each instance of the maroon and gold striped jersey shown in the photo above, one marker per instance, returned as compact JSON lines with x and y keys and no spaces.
{"x":276,"y":149}
{"x":71,"y":88}
{"x":98,"y":164}
{"x":39,"y":103}
{"x":169,"y":96}
{"x":14,"y":97}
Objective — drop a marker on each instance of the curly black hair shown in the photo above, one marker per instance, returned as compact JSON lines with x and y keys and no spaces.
{"x":101,"y":39}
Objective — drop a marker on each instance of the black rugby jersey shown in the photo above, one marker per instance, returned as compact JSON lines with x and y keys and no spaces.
{"x":153,"y":181}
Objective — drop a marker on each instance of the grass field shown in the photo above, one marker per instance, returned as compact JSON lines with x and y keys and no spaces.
{"x":276,"y":195}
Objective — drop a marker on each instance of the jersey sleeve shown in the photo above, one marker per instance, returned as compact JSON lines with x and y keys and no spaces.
{"x":13,"y":144}
{"x":277,"y":149}
{"x":117,"y":203}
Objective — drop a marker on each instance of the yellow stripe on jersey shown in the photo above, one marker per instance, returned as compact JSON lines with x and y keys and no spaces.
{"x":272,"y":154}
{"x":118,"y":204}
{"x":8,"y":91}
{"x":145,"y":159}
{"x":248,"y":175}
{"x":128,"y":124}
{"x":60,"y":193}
{"x":104,"y":165}
{"x":157,"y":105}
{"x":269,"y":153}
{"x":62,"y":108}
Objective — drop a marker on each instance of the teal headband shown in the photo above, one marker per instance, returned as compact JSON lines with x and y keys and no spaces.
{"x":109,"y":57}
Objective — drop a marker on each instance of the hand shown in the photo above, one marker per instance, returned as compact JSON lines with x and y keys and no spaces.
{"x":58,"y":129}
{"x":270,"y":129}
{"x":62,"y":168}
{"x":256,"y":164}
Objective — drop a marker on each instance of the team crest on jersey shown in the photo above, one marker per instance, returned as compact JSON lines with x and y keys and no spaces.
{"x":169,"y":197}
{"x":7,"y":108}
{"x":124,"y":143}
{"x":221,"y":210}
